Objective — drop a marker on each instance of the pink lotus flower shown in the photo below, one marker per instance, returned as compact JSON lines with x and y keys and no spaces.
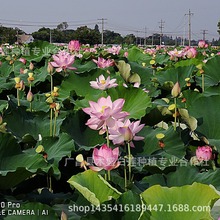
{"x":105,"y":158}
{"x":202,"y":44}
{"x":114,"y":50}
{"x":103,"y":63}
{"x":102,"y":83}
{"x":151,"y":51}
{"x":204,"y":153}
{"x":74,"y":45}
{"x":191,"y":53}
{"x":63,"y":61}
{"x":125,"y":131}
{"x":104,"y":113}
{"x":175,"y":54}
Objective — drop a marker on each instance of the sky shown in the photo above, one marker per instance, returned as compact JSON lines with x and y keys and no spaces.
{"x":140,"y":17}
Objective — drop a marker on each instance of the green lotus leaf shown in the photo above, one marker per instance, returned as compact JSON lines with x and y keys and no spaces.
{"x":93,"y":187}
{"x":175,"y":75}
{"x":187,"y":175}
{"x":211,"y":71}
{"x":207,"y":111}
{"x":39,"y":50}
{"x":82,"y":135}
{"x":176,"y":203}
{"x":33,"y":123}
{"x":136,"y":100}
{"x":173,"y":144}
{"x":80,"y":83}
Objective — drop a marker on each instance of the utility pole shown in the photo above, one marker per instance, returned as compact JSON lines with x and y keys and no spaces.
{"x":50,"y":37}
{"x":161,"y":30}
{"x":137,"y":38}
{"x":152,"y":42}
{"x":203,"y":34}
{"x":102,"y":34}
{"x":189,"y":24}
{"x":145,"y":36}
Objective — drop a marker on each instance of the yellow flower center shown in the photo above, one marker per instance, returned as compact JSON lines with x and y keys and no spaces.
{"x":102,"y":81}
{"x":103,"y":108}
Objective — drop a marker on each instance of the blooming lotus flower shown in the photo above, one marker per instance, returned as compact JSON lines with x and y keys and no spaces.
{"x":175,"y":54}
{"x":102,"y":83}
{"x":63,"y":61}
{"x":105,"y":158}
{"x":202,"y":44}
{"x":150,"y":51}
{"x":103,"y":63}
{"x":125,"y":132}
{"x":114,"y":50}
{"x":191,"y":53}
{"x":74,"y":45}
{"x":204,"y":153}
{"x":104,"y":113}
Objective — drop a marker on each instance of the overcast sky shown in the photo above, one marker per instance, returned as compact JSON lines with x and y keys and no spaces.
{"x":138,"y":17}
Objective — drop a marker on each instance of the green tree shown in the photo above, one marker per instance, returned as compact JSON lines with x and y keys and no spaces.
{"x":129,"y":39}
{"x":218,"y":27}
{"x":8,"y":35}
{"x":96,"y":28}
{"x":87,"y":35}
{"x":42,"y":34}
{"x":110,"y":37}
{"x":62,"y":26}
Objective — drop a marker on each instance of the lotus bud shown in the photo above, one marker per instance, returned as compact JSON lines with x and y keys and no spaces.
{"x":22,"y":86}
{"x":31,"y":66}
{"x":23,"y":60}
{"x":30,"y":96}
{"x":49,"y":68}
{"x":63,"y":216}
{"x":176,"y":90}
{"x":21,"y":71}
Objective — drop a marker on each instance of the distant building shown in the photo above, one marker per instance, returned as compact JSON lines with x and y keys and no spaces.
{"x":25,"y":39}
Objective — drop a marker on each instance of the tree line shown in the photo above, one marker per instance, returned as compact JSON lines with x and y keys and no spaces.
{"x":86,"y":35}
